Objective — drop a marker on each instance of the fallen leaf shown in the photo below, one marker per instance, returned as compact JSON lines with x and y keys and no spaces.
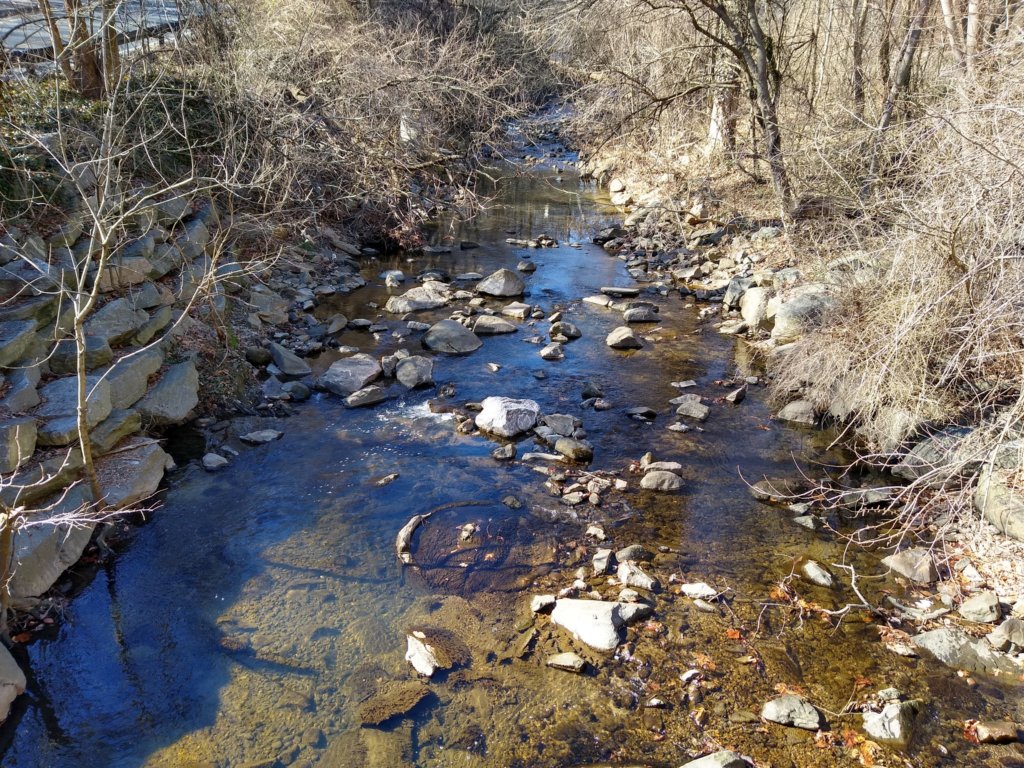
{"x":733,"y":634}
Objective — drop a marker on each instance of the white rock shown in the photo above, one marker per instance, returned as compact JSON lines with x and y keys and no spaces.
{"x":507,"y":417}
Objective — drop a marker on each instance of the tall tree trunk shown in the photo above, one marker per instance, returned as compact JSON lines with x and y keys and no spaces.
{"x":860,"y":22}
{"x":88,"y":74}
{"x":722,"y":124}
{"x":57,"y":40}
{"x":951,"y":20}
{"x":111,"y":49}
{"x":82,"y":410}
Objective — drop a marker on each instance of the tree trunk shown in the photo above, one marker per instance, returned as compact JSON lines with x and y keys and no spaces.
{"x":951,"y":20}
{"x":900,"y":84}
{"x":88,"y":74}
{"x":111,"y":49}
{"x":82,"y":409}
{"x":722,"y":125}
{"x":860,"y":21}
{"x":57,"y":40}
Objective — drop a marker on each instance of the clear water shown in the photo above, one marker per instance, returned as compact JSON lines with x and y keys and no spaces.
{"x":261,"y":605}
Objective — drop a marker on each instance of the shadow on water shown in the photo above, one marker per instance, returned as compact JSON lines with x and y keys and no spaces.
{"x":263,"y":606}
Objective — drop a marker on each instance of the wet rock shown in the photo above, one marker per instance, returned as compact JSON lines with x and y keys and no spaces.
{"x":504,"y":452}
{"x":737,"y":396}
{"x":642,"y":412}
{"x":12,"y":682}
{"x":415,"y":371}
{"x":798,"y":412}
{"x":391,"y":700}
{"x":620,"y":291}
{"x":602,"y":561}
{"x":576,"y":450}
{"x":561,"y":424}
{"x":569,"y":662}
{"x":296,"y":390}
{"x":566,"y":329}
{"x":734,"y":327}
{"x":503,"y":283}
{"x":351,"y":374}
{"x":371,"y":395}
{"x":489,"y":325}
{"x":997,"y":732}
{"x":623,"y":337}
{"x":636,"y":552}
{"x":982,"y":608}
{"x":1008,"y":634}
{"x":451,"y":338}
{"x":594,"y":622}
{"x":517,"y":310}
{"x":552,"y":352}
{"x":172,"y":400}
{"x":691,"y":407}
{"x":663,"y":481}
{"x":527,"y":267}
{"x":955,"y":648}
{"x":429,"y":650}
{"x":793,"y":711}
{"x":698,"y":591}
{"x":640,"y":315}
{"x":722,"y":759}
{"x":261,"y":436}
{"x":915,"y":564}
{"x":506,"y":416}
{"x":429,"y":295}
{"x":893,"y":725}
{"x":542,"y":603}
{"x":214,"y":461}
{"x":290,"y":365}
{"x":817,"y":574}
{"x":632,"y":575}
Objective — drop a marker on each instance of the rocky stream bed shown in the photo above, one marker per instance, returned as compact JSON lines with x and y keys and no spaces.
{"x":513,"y":525}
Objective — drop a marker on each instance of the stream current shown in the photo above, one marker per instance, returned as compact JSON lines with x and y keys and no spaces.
{"x":261,"y":606}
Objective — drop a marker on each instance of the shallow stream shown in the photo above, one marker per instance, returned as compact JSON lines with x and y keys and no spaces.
{"x":261,"y":605}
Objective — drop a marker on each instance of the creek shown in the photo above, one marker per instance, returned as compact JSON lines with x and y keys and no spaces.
{"x":260,"y":606}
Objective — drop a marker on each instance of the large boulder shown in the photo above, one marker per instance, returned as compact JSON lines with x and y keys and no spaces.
{"x":801,"y":312}
{"x":129,"y":376}
{"x":507,"y":417}
{"x":132,"y":475}
{"x":451,"y":338}
{"x":58,"y":413}
{"x":350,"y":374}
{"x":754,"y":307}
{"x":174,"y":397}
{"x":44,"y":551}
{"x":116,"y":322}
{"x":503,"y":283}
{"x":430,"y":295}
{"x":1001,"y":505}
{"x":415,"y":371}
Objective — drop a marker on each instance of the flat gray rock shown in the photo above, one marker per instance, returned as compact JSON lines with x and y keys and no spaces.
{"x":174,"y":397}
{"x":451,"y":338}
{"x":915,"y":564}
{"x":623,"y":337}
{"x":489,"y":325}
{"x":955,"y":648}
{"x":415,"y":371}
{"x":291,"y":365}
{"x":350,"y":374}
{"x":568,"y":662}
{"x":503,"y":283}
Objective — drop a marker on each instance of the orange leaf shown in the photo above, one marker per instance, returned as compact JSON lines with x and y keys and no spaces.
{"x":22,"y":637}
{"x":733,"y":634}
{"x":860,"y":683}
{"x":971,"y":731}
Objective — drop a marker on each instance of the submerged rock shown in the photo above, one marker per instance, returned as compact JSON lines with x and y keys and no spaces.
{"x":955,"y":648}
{"x":429,"y":650}
{"x":793,"y":711}
{"x":915,"y":564}
{"x":12,"y":682}
{"x":632,"y":575}
{"x":722,"y":759}
{"x":568,"y":662}
{"x":661,"y":480}
{"x":594,"y":622}
{"x":893,"y":725}
{"x":391,"y":700}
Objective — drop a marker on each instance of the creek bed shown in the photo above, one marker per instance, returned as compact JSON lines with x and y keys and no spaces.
{"x":263,"y":605}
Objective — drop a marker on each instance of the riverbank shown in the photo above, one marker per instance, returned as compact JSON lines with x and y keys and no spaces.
{"x":596,"y":605}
